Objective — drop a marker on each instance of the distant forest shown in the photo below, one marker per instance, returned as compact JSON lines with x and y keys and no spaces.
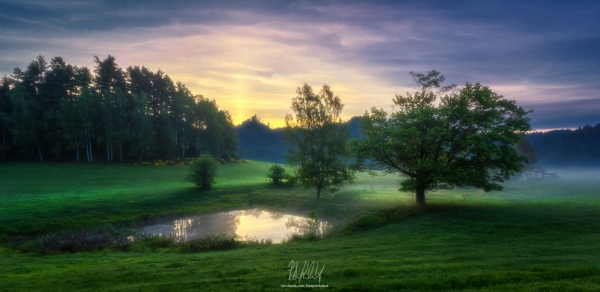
{"x":57,"y":111}
{"x":61,"y":112}
{"x":559,"y":147}
{"x":259,"y":142}
{"x":570,"y":147}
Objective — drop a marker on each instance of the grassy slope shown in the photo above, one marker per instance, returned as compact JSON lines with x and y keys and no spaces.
{"x":534,"y":236}
{"x":37,"y":198}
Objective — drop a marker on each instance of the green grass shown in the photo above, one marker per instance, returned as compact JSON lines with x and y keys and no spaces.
{"x":534,"y":236}
{"x":38,"y":198}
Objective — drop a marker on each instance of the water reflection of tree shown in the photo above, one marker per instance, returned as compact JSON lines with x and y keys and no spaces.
{"x":200,"y":226}
{"x":275,"y":215}
{"x":301,"y":226}
{"x":254,"y":212}
{"x":257,"y":213}
{"x":228,"y":223}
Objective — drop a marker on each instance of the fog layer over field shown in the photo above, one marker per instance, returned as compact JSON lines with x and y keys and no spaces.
{"x":576,"y":173}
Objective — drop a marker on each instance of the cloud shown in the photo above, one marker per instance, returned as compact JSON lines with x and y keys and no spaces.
{"x":251,"y":55}
{"x":566,"y":114}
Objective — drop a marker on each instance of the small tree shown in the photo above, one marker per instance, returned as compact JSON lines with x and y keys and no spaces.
{"x":276,"y":174}
{"x":318,"y":140}
{"x":203,"y":172}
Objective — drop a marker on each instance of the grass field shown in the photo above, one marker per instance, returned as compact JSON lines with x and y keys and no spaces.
{"x":534,"y":236}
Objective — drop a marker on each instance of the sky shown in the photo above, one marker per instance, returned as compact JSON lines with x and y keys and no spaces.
{"x":250,"y":56}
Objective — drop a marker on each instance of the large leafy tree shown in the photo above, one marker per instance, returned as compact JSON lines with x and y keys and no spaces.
{"x":317,"y":138}
{"x":440,"y":137}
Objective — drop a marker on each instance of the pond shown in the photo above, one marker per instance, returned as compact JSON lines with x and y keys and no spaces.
{"x":251,"y":224}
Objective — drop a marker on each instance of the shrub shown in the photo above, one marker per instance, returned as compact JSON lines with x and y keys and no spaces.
{"x":364,"y":222}
{"x":213,"y":242}
{"x":81,"y":240}
{"x":276,"y":174}
{"x":203,"y":171}
{"x":290,"y":179}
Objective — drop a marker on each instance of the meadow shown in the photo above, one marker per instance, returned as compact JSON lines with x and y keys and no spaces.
{"x":533,"y":236}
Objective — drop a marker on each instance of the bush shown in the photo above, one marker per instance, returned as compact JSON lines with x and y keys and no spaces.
{"x":80,"y":240}
{"x":213,"y":242}
{"x":276,"y":174}
{"x":290,"y":179}
{"x":364,"y":222}
{"x":203,"y":171}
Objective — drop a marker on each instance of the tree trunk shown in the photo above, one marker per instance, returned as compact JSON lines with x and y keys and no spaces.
{"x":77,"y":145}
{"x":91,"y":153}
{"x":121,"y":151}
{"x":141,"y":150}
{"x":107,"y":150}
{"x":36,"y":141}
{"x":3,"y":135}
{"x":318,"y":192}
{"x":87,"y":146}
{"x":40,"y":152}
{"x":421,"y":197}
{"x":38,"y":147}
{"x":183,"y":147}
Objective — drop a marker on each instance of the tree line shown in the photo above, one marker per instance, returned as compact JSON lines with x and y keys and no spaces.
{"x":258,"y":141}
{"x":568,"y":147}
{"x":67,"y":112}
{"x":559,"y":147}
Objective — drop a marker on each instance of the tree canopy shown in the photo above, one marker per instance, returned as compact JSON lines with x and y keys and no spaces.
{"x":317,"y":138}
{"x":441,"y":137}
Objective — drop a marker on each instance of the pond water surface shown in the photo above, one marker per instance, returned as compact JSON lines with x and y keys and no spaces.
{"x":252,"y":224}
